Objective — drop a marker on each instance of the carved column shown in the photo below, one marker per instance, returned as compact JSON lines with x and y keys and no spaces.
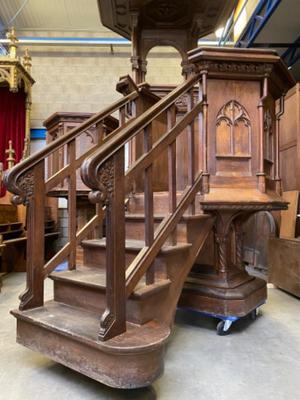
{"x":205,"y":185}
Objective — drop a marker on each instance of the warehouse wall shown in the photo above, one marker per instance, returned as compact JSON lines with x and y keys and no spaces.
{"x":84,"y":79}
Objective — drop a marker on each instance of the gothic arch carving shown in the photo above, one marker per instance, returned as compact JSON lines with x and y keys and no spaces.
{"x":233,"y":138}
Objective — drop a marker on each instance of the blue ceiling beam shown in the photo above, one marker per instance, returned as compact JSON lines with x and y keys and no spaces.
{"x":258,"y":20}
{"x":292,"y":54}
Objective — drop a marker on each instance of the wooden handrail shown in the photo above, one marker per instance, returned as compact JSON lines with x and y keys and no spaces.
{"x":147,"y":255}
{"x":162,"y":144}
{"x":104,"y":173}
{"x":30,"y":185}
{"x":11,"y":176}
{"x":90,"y":167}
{"x":102,"y":170}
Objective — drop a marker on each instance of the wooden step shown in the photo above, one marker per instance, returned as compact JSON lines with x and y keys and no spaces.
{"x":86,"y":288}
{"x":135,"y":225}
{"x":94,"y":251}
{"x":161,"y":202}
{"x":69,"y":335}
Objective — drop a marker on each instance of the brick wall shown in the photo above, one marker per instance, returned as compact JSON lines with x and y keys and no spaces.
{"x":77,"y":79}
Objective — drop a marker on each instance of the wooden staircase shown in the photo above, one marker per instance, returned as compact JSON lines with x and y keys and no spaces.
{"x":110,"y":318}
{"x":66,"y":328}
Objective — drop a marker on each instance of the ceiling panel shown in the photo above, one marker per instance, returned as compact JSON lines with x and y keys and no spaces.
{"x":51,"y":14}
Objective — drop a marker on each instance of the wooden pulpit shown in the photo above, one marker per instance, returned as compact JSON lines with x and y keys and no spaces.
{"x":240,"y":161}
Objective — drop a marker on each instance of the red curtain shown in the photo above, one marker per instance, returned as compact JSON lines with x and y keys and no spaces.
{"x":12,"y":124}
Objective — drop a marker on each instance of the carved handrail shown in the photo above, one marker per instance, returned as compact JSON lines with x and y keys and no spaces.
{"x":11,"y":177}
{"x":90,"y":167}
{"x":30,"y":185}
{"x":104,"y":173}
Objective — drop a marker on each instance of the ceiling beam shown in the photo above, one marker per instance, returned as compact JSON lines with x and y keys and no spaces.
{"x":258,"y":20}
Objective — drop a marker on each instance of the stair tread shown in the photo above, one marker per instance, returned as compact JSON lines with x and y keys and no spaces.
{"x":187,"y":217}
{"x":135,"y":245}
{"x":83,"y":326}
{"x":96,"y":278}
{"x":138,"y":216}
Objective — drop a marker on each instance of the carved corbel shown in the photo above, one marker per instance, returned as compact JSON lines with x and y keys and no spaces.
{"x":105,"y":178}
{"x":23,"y":188}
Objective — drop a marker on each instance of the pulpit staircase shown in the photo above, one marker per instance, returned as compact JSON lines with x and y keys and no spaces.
{"x":111,"y":317}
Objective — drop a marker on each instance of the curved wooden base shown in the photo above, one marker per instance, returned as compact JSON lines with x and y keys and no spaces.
{"x":68,"y":336}
{"x":216,"y":299}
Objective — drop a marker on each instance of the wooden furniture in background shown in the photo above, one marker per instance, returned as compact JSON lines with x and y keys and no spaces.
{"x":290,"y":140}
{"x":289,"y":217}
{"x":284,"y":252}
{"x":284,"y":264}
{"x":13,"y":237}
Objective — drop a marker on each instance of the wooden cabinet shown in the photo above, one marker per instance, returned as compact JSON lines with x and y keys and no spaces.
{"x":290,"y":140}
{"x":284,"y":260}
{"x":59,"y":124}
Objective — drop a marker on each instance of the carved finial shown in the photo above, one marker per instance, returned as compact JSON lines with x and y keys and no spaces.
{"x":27,"y":61}
{"x":11,"y":36}
{"x":11,"y":155}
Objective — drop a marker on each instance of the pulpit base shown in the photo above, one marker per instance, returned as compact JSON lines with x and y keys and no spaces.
{"x":201,"y":294}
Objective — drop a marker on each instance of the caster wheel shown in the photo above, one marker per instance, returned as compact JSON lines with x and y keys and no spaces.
{"x":254,"y":314}
{"x":223,"y":328}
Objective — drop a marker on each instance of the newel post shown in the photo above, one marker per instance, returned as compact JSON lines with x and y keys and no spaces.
{"x":31,"y":188}
{"x":113,"y":321}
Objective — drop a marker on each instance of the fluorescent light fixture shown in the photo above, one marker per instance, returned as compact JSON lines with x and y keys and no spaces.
{"x":219,"y":32}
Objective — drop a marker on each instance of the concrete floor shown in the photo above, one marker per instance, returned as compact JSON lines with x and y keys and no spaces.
{"x":259,"y":360}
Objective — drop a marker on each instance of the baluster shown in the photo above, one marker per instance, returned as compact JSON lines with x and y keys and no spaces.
{"x":171,"y":121}
{"x":122,"y":115}
{"x":205,"y":179}
{"x":100,"y":132}
{"x":33,"y":183}
{"x":191,"y":148}
{"x":148,"y":193}
{"x":261,"y":176}
{"x":277,"y":147}
{"x":72,"y":225}
{"x":113,"y":321}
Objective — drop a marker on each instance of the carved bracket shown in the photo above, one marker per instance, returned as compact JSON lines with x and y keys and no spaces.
{"x":105,"y":178}
{"x":22,"y":186}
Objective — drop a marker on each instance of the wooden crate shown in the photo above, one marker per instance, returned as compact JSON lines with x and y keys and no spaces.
{"x":284,"y":264}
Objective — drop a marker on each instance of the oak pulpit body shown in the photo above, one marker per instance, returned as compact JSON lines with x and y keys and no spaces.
{"x":240,"y":160}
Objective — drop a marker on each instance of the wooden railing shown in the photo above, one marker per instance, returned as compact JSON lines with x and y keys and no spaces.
{"x":105,"y":174}
{"x":103,"y":171}
{"x":30,"y":183}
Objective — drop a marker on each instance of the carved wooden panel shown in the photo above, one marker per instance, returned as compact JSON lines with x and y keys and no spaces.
{"x":233,"y":140}
{"x":233,"y":131}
